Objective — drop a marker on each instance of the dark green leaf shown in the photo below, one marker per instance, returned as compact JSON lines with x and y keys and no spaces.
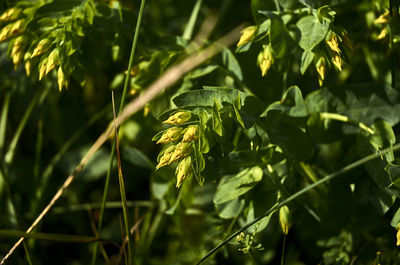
{"x":312,"y":32}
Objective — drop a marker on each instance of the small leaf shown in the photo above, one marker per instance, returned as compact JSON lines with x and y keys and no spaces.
{"x":230,"y":187}
{"x":306,"y":59}
{"x":277,"y":34}
{"x":312,"y":32}
{"x":216,"y":118}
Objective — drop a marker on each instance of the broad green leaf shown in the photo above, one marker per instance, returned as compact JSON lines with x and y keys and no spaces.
{"x":376,"y":168}
{"x":292,"y":104}
{"x":137,"y":157}
{"x":205,"y":97}
{"x":89,"y":12}
{"x":306,"y":59}
{"x":277,"y":34}
{"x":294,"y":142}
{"x":231,"y":187}
{"x":216,"y":119}
{"x":229,"y":209}
{"x":230,"y":62}
{"x":58,"y":6}
{"x":396,"y":219}
{"x":202,"y":71}
{"x":312,"y":32}
{"x":263,"y":223}
{"x":360,"y":102}
{"x":323,"y":130}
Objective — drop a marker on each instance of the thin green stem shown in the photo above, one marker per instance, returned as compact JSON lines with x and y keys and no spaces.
{"x":45,"y":176}
{"x":278,"y":8}
{"x":342,"y":118}
{"x":122,"y":189}
{"x":122,"y":103}
{"x":283,"y":249}
{"x":298,"y":194}
{"x":188,"y":33}
{"x":3,"y":120}
{"x":11,"y":149}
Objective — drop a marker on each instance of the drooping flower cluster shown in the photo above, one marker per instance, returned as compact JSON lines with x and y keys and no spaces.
{"x":180,"y":140}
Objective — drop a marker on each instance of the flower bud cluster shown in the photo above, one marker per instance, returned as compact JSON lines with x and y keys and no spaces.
{"x":181,"y":145}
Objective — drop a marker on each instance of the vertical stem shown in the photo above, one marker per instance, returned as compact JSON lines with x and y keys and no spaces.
{"x":3,"y":120}
{"x":110,"y":165}
{"x":392,"y":54}
{"x":278,"y":8}
{"x":187,"y":34}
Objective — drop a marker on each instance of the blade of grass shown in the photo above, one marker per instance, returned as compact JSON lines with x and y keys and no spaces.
{"x":122,"y":103}
{"x":96,"y":233}
{"x":187,"y":34}
{"x":11,"y":149}
{"x":97,"y":205}
{"x":3,"y":120}
{"x":299,"y":193}
{"x":45,"y":176}
{"x":122,"y":187}
{"x":167,"y":79}
{"x":48,"y":236}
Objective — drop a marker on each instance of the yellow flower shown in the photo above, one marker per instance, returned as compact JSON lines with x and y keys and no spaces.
{"x":190,"y":134}
{"x":182,"y":150}
{"x":285,"y":219}
{"x":337,"y":61}
{"x":321,"y":70}
{"x":383,"y":19}
{"x":166,"y":156}
{"x":382,"y":34}
{"x":28,"y":64}
{"x":398,"y":235}
{"x":10,"y":14}
{"x":62,"y":82}
{"x":42,"y":69}
{"x":170,"y":135}
{"x":333,"y":43}
{"x":183,"y":170}
{"x":17,"y":27}
{"x":179,"y":118}
{"x":248,"y":34}
{"x":42,"y":47}
{"x":265,"y":59}
{"x":53,"y":61}
{"x":16,"y":52}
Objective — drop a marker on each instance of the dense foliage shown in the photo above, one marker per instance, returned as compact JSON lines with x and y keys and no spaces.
{"x":292,"y":130}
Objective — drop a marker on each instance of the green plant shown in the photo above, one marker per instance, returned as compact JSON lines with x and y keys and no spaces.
{"x":296,"y":127}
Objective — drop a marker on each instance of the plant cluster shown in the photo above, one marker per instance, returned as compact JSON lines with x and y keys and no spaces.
{"x":281,"y":149}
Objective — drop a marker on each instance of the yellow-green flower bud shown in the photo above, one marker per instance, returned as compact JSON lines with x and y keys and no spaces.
{"x":321,"y":70}
{"x":16,"y":53}
{"x":166,"y":156}
{"x":182,"y":150}
{"x":42,"y":47}
{"x":179,"y":118}
{"x":383,"y":19}
{"x":5,"y":32}
{"x":61,"y":79}
{"x":17,"y":27}
{"x":170,"y":135}
{"x":265,"y":59}
{"x":10,"y":14}
{"x":53,"y":61}
{"x":333,"y":43}
{"x":248,"y":34}
{"x":191,"y":134}
{"x":42,"y":68}
{"x":398,"y":235}
{"x":28,"y":64}
{"x":183,"y":170}
{"x":382,"y":34}
{"x":337,"y":61}
{"x":285,"y":219}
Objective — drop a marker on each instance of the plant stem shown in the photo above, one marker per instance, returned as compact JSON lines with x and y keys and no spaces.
{"x":3,"y":120}
{"x":342,"y":118}
{"x":122,"y":103}
{"x":188,"y":33}
{"x":298,"y":194}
